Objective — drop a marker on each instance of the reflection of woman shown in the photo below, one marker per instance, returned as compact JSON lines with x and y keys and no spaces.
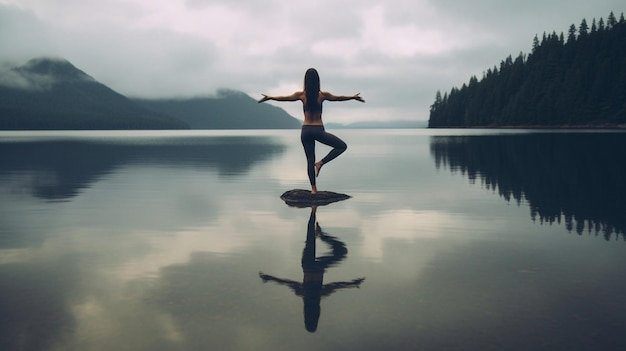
{"x":313,"y":127}
{"x":312,"y":288}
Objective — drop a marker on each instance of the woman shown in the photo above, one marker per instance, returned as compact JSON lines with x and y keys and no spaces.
{"x":313,"y":127}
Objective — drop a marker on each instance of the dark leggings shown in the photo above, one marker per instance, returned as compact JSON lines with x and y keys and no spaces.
{"x":312,"y":133}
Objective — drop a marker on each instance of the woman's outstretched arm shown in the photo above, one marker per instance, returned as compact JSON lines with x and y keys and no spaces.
{"x":293,"y":97}
{"x":293,"y":285}
{"x":330,"y":97}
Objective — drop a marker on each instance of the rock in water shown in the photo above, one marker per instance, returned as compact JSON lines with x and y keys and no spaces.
{"x":304,"y":198}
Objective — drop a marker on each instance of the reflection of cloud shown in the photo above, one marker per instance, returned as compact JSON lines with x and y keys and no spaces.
{"x":16,"y":255}
{"x":116,"y":270}
{"x":166,"y":250}
{"x":227,"y":236}
{"x":402,"y":224}
{"x":413,"y":225}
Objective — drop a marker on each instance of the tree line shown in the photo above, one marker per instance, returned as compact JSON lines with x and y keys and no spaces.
{"x":577,"y":80}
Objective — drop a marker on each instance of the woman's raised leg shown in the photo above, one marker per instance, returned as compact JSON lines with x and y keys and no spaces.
{"x":338,"y":145}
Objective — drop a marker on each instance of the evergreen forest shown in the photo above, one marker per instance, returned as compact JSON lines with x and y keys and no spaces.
{"x":578,"y":80}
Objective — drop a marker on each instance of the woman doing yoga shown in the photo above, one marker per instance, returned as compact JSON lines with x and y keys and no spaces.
{"x":313,"y":127}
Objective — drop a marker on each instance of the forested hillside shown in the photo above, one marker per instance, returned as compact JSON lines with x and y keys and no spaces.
{"x":573,"y":80}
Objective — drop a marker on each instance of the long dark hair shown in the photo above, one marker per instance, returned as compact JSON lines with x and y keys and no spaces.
{"x":311,"y":87}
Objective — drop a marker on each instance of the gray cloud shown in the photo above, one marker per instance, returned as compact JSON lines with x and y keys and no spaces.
{"x":397,"y":54}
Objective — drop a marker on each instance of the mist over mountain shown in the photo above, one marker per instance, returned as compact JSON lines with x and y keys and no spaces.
{"x":230,"y":109}
{"x":51,"y":93}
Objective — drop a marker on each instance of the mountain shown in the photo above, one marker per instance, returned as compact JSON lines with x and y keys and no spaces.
{"x":50,"y":93}
{"x":380,"y":125}
{"x":230,"y":109}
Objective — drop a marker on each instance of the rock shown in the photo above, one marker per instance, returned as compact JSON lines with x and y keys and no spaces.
{"x":304,"y":198}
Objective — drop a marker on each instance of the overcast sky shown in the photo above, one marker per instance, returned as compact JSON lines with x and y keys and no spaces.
{"x":396,"y":53}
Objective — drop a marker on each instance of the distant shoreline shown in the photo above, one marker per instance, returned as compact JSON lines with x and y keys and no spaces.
{"x":586,"y":126}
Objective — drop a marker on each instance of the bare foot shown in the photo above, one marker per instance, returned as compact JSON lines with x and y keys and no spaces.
{"x":318,"y":166}
{"x":313,"y":190}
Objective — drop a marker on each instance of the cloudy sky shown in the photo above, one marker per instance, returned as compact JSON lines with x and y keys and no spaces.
{"x":396,"y":53}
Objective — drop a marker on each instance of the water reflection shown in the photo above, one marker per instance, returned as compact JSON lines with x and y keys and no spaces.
{"x":163,"y":254}
{"x":60,"y":169}
{"x":577,"y":178}
{"x":34,"y":303}
{"x":312,"y":288}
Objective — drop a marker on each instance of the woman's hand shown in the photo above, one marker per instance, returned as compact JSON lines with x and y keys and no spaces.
{"x":358,"y":97}
{"x":264,"y":98}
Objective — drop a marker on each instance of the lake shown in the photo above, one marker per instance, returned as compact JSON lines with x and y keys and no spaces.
{"x":451,"y":240}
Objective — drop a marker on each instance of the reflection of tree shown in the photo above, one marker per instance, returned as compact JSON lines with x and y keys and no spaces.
{"x":61,"y":168}
{"x":312,"y":289}
{"x":575,"y":177}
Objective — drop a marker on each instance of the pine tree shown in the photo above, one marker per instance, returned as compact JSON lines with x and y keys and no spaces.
{"x":571,"y":36}
{"x":583,"y":29}
{"x":611,"y":21}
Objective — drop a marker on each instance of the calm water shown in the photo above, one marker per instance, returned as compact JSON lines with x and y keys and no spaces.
{"x":452,"y":240}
